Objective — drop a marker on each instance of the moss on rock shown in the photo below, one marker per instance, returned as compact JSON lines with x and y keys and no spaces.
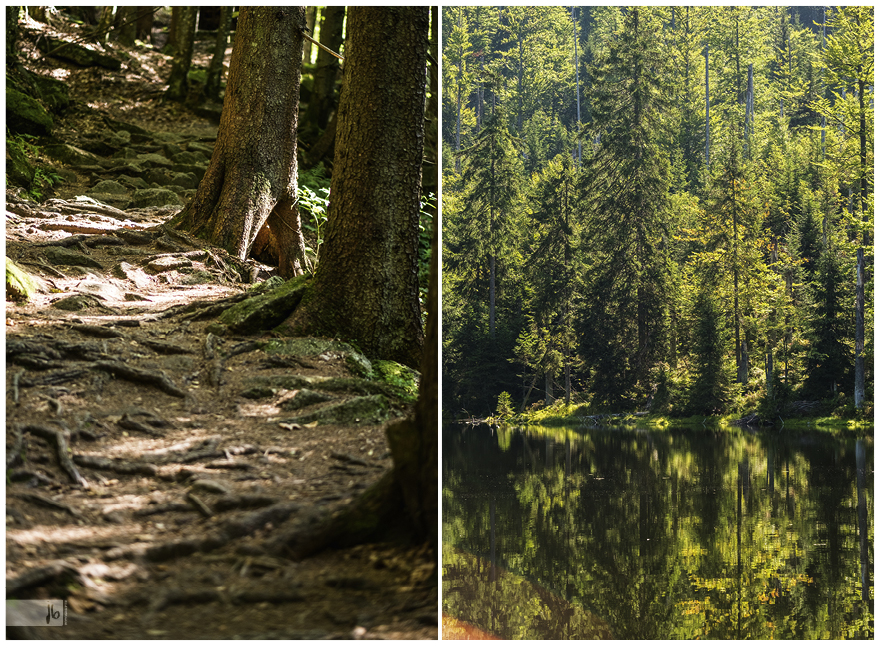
{"x":20,"y":286}
{"x":25,"y":114}
{"x":403,"y":381}
{"x":316,"y":347}
{"x":367,"y":410}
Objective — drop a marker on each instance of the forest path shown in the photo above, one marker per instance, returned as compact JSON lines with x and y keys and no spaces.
{"x":150,"y":461}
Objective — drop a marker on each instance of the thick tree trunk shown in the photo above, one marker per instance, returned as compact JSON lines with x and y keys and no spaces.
{"x":366,"y":285}
{"x":215,"y":69}
{"x":410,"y":487}
{"x":327,"y":67}
{"x":178,"y":85}
{"x":414,"y":441}
{"x":253,"y":172}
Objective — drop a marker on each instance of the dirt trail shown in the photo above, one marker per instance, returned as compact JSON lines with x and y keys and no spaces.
{"x":152,"y":453}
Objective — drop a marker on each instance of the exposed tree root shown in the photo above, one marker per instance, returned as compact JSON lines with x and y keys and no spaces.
{"x":375,"y":515}
{"x":61,"y":441}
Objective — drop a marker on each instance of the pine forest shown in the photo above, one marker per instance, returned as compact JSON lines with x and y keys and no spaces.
{"x":661,"y":209}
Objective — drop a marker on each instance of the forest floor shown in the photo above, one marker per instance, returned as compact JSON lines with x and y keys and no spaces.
{"x":152,"y":462}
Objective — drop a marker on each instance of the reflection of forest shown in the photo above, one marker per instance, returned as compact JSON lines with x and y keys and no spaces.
{"x":549,"y":533}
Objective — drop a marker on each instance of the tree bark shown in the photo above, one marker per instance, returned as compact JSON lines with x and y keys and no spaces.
{"x":171,"y":45}
{"x":144,"y":26}
{"x":310,"y":25}
{"x":178,"y":85}
{"x":104,"y":24}
{"x":126,"y":23}
{"x":410,"y":487}
{"x":327,"y":67}
{"x":215,"y":69}
{"x":251,"y":179}
{"x":12,"y":16}
{"x":366,"y":286}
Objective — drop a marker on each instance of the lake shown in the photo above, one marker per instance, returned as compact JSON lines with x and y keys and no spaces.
{"x":562,"y":533}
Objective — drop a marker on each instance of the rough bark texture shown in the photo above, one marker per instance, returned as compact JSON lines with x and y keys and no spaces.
{"x":252,"y":176}
{"x":411,"y":486}
{"x":178,"y":85}
{"x":366,"y":285}
{"x":326,"y":68}
{"x":413,"y":442}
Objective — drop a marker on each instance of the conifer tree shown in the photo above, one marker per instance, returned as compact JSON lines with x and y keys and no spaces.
{"x":492,"y":173}
{"x":625,"y":199}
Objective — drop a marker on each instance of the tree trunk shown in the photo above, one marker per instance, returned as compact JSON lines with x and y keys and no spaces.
{"x":253,"y":172}
{"x":144,"y":26}
{"x":311,"y":13}
{"x":859,"y":394}
{"x":215,"y":69}
{"x":327,"y":67}
{"x":126,"y":23}
{"x":12,"y":16}
{"x":171,"y":45}
{"x":366,"y":286}
{"x":104,"y":24}
{"x":411,"y":486}
{"x":178,"y":85}
{"x":414,"y":442}
{"x":38,"y":14}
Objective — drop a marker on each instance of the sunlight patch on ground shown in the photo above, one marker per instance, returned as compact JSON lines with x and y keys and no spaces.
{"x":70,"y":533}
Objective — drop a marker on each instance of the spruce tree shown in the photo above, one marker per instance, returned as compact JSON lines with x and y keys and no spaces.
{"x":828,"y":359}
{"x":710,"y":388}
{"x":625,"y":199}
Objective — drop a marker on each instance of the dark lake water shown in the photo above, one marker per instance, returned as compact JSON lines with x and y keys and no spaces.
{"x":558,"y":533}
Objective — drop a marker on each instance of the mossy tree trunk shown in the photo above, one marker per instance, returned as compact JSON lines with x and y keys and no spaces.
{"x":252,"y":177}
{"x":178,"y":84}
{"x":366,"y":286}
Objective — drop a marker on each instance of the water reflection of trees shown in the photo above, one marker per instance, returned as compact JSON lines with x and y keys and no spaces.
{"x":660,"y":534}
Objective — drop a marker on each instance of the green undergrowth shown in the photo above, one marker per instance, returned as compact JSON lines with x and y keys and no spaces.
{"x":561,"y":415}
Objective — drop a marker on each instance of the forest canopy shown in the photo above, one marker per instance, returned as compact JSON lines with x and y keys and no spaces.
{"x":658,"y":208}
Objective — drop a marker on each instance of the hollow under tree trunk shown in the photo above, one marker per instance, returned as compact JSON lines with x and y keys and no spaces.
{"x":366,"y":285}
{"x":252,"y":177}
